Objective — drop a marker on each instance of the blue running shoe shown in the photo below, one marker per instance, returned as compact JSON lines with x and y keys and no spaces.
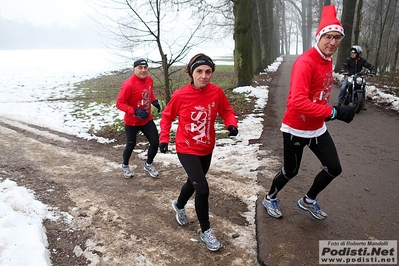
{"x":272,"y":207}
{"x":313,"y":208}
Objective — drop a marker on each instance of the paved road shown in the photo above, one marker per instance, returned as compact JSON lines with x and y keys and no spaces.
{"x":362,"y":203}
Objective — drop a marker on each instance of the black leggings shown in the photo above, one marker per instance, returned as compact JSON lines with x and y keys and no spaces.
{"x":196,"y":168}
{"x":324,"y":149}
{"x":150,"y":131}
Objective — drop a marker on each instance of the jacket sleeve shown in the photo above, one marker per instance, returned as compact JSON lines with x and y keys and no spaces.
{"x":345,"y":65}
{"x":123,"y":98}
{"x":168,"y":116}
{"x":153,"y":98}
{"x":369,"y":66}
{"x":226,"y":112}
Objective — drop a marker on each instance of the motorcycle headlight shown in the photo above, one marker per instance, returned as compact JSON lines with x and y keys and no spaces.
{"x":359,"y":80}
{"x":350,"y":80}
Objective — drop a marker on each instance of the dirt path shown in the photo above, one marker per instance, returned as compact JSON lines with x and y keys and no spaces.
{"x":116,"y":221}
{"x":361,"y":203}
{"x":110,"y":220}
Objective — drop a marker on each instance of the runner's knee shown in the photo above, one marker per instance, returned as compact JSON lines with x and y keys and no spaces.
{"x":289,"y":174}
{"x":333,"y":171}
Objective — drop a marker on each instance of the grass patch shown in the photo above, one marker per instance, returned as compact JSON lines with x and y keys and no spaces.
{"x":104,"y":90}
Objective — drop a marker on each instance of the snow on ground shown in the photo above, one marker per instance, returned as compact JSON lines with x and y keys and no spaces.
{"x":31,"y":80}
{"x":376,"y":95}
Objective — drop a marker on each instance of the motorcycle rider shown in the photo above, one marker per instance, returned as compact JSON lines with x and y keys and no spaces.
{"x":352,"y":65}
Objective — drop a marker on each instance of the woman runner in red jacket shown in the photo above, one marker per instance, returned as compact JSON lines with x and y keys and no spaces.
{"x":196,"y":105}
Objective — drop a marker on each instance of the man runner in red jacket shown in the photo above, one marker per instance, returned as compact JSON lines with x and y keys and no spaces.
{"x":135,"y":98}
{"x":304,"y":119}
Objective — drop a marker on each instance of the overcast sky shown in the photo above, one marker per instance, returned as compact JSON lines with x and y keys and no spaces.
{"x":47,"y":24}
{"x":71,"y":13}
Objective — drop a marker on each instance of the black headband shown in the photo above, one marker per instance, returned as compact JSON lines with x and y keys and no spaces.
{"x":202,"y":61}
{"x":140,"y":62}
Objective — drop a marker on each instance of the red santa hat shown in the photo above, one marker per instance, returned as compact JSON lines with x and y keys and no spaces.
{"x":329,"y":22}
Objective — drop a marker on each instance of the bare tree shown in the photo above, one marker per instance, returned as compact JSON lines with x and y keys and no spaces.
{"x":289,"y":23}
{"x":271,"y":34}
{"x":305,"y":13}
{"x":379,"y":33}
{"x":356,"y":30}
{"x":257,"y":38}
{"x":264,"y":43}
{"x":170,"y":28}
{"x":243,"y":42}
{"x":348,"y":16}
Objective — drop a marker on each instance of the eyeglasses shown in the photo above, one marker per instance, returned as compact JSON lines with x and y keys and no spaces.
{"x":330,"y":37}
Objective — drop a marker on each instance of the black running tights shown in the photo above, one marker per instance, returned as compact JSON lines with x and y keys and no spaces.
{"x":324,"y":149}
{"x":196,"y":168}
{"x":150,"y":132}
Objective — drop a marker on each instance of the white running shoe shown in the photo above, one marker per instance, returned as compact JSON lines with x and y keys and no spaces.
{"x":210,"y":240}
{"x":126,"y":172}
{"x":151,"y":169}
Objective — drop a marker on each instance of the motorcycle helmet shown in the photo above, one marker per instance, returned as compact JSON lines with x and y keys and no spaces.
{"x":357,"y":49}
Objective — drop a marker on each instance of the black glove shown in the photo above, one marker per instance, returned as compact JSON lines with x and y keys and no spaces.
{"x":343,"y":113}
{"x":141,"y":113}
{"x":233,"y":131}
{"x":163,"y":147}
{"x":156,"y":105}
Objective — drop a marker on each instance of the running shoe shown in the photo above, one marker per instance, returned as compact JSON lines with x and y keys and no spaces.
{"x":210,"y":240}
{"x":181,"y":215}
{"x":126,"y":172}
{"x":313,"y":208}
{"x":151,"y":169}
{"x":272,"y":207}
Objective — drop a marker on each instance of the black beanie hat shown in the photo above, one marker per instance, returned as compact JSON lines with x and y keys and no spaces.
{"x":140,"y":62}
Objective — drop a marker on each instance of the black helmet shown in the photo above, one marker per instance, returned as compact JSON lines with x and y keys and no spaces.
{"x":357,"y":49}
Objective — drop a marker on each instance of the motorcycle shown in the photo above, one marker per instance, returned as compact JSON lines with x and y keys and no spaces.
{"x":354,"y":94}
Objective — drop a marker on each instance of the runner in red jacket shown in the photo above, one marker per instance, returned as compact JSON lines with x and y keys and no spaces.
{"x":197,"y":105}
{"x":135,"y":99}
{"x":304,"y":119}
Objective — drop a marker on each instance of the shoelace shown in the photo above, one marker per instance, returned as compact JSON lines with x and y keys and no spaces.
{"x":316,"y":206}
{"x":274,"y":204}
{"x":150,"y":168}
{"x":182,"y":214}
{"x":211,"y":237}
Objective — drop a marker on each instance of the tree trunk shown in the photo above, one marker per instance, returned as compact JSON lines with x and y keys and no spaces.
{"x":268,"y":28}
{"x":382,"y":30}
{"x":348,"y":11}
{"x":305,"y":41}
{"x":243,"y":42}
{"x":396,"y":57}
{"x":387,"y":42}
{"x":358,"y":21}
{"x":257,"y":38}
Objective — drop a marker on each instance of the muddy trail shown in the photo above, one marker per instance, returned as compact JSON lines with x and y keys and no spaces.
{"x":110,"y":220}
